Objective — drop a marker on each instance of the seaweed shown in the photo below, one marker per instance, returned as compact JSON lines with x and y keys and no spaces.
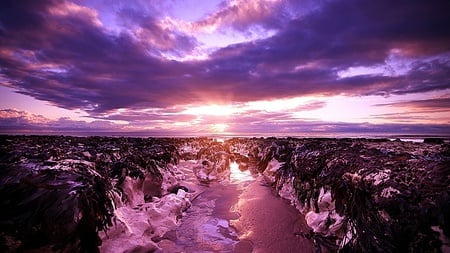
{"x":390,"y":194}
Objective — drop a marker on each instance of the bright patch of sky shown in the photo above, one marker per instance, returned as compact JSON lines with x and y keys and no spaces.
{"x":14,"y":100}
{"x":350,"y":109}
{"x":216,"y":110}
{"x":276,"y":105}
{"x":343,"y":109}
{"x":190,"y":10}
{"x":397,"y":64}
{"x":225,"y":37}
{"x":374,"y":109}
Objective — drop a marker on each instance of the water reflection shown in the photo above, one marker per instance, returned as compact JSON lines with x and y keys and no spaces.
{"x":237,"y":175}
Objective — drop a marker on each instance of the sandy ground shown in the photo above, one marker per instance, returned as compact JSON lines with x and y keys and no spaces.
{"x":268,"y":222}
{"x":237,"y":216}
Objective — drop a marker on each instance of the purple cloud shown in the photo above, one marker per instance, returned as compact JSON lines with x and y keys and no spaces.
{"x":426,"y":104}
{"x":12,"y":120}
{"x":60,"y":52}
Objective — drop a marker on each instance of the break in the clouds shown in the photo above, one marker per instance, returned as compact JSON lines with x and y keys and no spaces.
{"x":190,"y":65}
{"x":15,"y":121}
{"x":22,"y":122}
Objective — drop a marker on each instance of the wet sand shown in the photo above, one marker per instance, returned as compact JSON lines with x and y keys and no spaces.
{"x":237,"y":216}
{"x":269,"y":223}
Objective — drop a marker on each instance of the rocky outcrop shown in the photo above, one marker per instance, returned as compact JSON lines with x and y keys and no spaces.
{"x":365,"y":195}
{"x":60,"y":192}
{"x":122,"y":194}
{"x":214,"y":162}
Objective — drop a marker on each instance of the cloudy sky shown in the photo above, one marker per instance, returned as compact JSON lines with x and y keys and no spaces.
{"x":225,"y":66}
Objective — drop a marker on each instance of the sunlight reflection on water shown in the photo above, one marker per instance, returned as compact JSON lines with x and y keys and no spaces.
{"x":237,"y":175}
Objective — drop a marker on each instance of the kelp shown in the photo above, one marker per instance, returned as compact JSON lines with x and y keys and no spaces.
{"x":59,"y":191}
{"x":65,"y":209}
{"x":390,"y":194}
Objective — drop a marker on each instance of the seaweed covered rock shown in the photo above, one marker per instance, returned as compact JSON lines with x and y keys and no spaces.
{"x":214,"y":162}
{"x":60,"y":207}
{"x":357,"y":195}
{"x":61,"y":191}
{"x":368,"y":195}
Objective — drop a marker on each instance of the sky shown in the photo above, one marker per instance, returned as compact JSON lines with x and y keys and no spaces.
{"x":243,"y":67}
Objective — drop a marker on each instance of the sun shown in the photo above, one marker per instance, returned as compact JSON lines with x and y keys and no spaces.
{"x":218,"y":128}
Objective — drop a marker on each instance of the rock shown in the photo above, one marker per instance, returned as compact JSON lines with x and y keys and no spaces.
{"x":152,"y":186}
{"x":336,"y":181}
{"x":76,"y":186}
{"x":358,"y":194}
{"x":433,"y":140}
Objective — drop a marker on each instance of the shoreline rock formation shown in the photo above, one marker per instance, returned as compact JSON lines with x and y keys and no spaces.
{"x":93,"y":194}
{"x":363,"y":195}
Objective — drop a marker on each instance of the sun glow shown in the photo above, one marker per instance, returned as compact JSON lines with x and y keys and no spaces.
{"x":274,"y":105}
{"x":277,"y":105}
{"x":215,"y":110}
{"x":219,"y":128}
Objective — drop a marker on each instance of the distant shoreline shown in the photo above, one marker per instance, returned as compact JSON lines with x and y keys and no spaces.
{"x":389,"y":136}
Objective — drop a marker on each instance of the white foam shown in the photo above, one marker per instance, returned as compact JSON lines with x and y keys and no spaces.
{"x":238,"y":176}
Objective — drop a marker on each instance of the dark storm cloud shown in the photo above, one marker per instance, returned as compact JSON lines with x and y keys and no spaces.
{"x":345,"y":34}
{"x":161,"y":40}
{"x":72,"y":62}
{"x":57,"y":52}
